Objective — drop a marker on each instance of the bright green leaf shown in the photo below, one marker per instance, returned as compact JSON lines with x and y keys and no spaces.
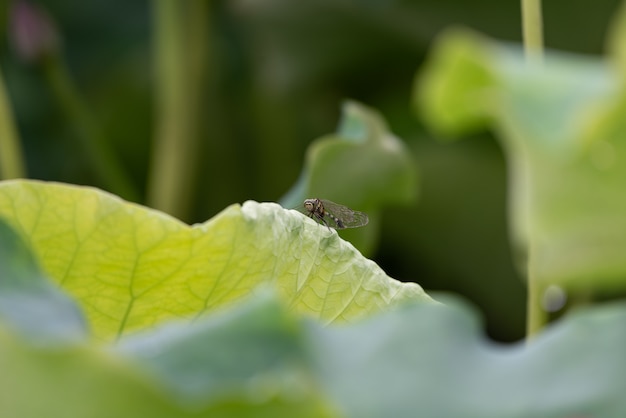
{"x":131,"y":267}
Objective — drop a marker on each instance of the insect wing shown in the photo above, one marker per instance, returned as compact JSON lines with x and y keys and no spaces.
{"x":339,"y":216}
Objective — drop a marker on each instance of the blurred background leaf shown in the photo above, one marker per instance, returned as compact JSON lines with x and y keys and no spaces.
{"x":562,"y":126}
{"x":279,"y":72}
{"x":363,"y":166}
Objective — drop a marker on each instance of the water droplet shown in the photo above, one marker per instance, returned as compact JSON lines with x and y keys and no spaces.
{"x":554,"y":298}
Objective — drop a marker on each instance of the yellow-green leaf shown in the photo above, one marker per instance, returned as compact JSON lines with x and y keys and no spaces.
{"x":131,"y":267}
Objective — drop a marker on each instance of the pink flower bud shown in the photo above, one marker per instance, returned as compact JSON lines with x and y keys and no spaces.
{"x":33,"y":33}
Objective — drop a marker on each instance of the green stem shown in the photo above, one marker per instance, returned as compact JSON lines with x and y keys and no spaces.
{"x":536,"y":315}
{"x":95,"y":146}
{"x":532,"y":29}
{"x":11,"y":158}
{"x":180,"y":60}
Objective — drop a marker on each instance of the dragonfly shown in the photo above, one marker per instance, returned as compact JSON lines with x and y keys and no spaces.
{"x":334,"y":215}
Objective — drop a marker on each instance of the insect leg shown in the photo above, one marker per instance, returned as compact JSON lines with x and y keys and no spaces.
{"x":320,"y":217}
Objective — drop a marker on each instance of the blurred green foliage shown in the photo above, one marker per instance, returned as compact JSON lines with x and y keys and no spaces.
{"x":279,"y":71}
{"x":562,"y":126}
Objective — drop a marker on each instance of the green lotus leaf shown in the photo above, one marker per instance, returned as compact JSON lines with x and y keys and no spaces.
{"x":50,"y":369}
{"x":434,"y":361}
{"x":259,"y":358}
{"x":421,"y":357}
{"x":93,"y":382}
{"x":561,"y":126}
{"x":256,"y":351}
{"x":131,"y":267}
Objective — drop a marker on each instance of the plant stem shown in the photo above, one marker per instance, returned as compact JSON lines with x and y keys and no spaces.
{"x":11,"y":157}
{"x":95,"y":146}
{"x":532,"y":30}
{"x":536,"y":315}
{"x":180,"y":60}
